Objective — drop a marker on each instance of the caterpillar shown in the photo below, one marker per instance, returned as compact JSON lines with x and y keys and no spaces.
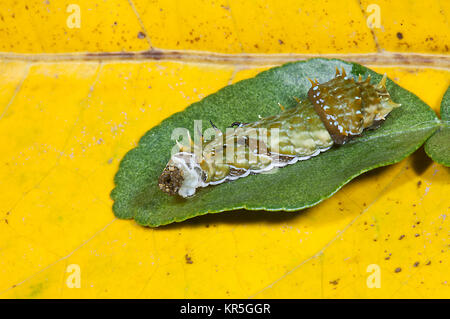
{"x":333,"y":113}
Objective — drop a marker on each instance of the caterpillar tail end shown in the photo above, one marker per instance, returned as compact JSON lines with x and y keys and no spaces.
{"x":171,"y":180}
{"x":182,"y":175}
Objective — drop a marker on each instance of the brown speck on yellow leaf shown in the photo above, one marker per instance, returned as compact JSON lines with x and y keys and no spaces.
{"x":334,"y":282}
{"x":188,"y":259}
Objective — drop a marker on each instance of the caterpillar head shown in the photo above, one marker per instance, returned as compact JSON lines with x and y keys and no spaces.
{"x":347,"y":107}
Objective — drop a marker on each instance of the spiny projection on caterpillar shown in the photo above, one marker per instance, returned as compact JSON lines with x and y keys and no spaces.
{"x":333,"y":113}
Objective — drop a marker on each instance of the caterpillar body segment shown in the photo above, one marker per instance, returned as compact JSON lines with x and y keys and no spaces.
{"x":334,"y":112}
{"x":347,"y":107}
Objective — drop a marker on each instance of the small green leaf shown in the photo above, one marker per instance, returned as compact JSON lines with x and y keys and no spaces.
{"x":438,"y":145}
{"x":294,"y":187}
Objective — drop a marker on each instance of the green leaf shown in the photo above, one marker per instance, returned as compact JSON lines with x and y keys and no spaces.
{"x":438,"y":146}
{"x":291,"y":188}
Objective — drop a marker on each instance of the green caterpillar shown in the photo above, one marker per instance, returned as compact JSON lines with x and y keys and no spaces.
{"x":334,"y":112}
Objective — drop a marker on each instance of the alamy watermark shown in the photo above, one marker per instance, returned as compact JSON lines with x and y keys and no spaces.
{"x":73,"y":21}
{"x":374,"y":279}
{"x":241,"y":143}
{"x":74,"y":279}
{"x":374,"y":17}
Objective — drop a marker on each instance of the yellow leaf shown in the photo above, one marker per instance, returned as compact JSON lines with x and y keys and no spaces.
{"x":67,"y":119}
